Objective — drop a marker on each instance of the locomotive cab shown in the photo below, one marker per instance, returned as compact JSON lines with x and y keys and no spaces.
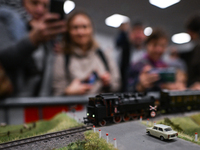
{"x":100,"y":108}
{"x":95,"y":109}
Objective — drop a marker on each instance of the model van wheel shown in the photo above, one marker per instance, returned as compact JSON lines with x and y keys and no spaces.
{"x":126,"y":117}
{"x":102,"y":123}
{"x":148,"y":133}
{"x":117,"y":119}
{"x":162,"y":138}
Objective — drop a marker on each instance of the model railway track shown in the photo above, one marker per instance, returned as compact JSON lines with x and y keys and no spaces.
{"x":69,"y":132}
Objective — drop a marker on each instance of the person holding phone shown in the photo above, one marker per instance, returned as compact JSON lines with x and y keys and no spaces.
{"x":83,"y":68}
{"x":26,"y":29}
{"x":144,"y":75}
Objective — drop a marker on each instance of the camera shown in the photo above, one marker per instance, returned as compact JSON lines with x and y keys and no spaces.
{"x":165,"y":74}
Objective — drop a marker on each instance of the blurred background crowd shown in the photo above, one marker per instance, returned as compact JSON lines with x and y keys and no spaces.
{"x":44,"y":55}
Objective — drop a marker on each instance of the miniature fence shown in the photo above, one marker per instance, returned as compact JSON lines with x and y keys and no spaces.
{"x":107,"y":137}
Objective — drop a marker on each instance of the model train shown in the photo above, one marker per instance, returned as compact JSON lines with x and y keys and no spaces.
{"x":179,"y":101}
{"x":125,"y":106}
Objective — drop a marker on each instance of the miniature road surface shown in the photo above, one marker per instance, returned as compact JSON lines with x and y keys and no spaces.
{"x":132,"y":136}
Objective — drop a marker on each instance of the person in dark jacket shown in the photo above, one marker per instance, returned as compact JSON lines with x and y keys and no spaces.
{"x":131,"y":44}
{"x":25,"y":28}
{"x":192,"y":57}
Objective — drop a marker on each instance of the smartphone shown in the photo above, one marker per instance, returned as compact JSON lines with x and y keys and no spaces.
{"x":92,"y":78}
{"x":166,"y":74}
{"x":57,"y":6}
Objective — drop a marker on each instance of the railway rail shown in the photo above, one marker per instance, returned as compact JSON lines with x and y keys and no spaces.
{"x":67,"y":134}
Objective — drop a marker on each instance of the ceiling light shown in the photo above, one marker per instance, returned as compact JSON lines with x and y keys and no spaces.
{"x":116,"y":20}
{"x":181,"y":38}
{"x":148,"y":31}
{"x":68,"y":6}
{"x":163,"y":3}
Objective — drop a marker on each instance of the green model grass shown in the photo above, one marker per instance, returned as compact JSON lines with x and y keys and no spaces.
{"x":58,"y":123}
{"x":91,"y":142}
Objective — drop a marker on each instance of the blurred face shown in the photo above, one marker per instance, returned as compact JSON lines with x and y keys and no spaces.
{"x":80,"y":30}
{"x":37,"y":8}
{"x":156,"y":48}
{"x":137,"y":37}
{"x":193,"y":35}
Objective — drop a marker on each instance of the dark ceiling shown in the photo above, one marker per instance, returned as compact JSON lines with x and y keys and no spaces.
{"x":172,"y":18}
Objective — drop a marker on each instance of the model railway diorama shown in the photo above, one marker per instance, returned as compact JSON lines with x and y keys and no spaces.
{"x":125,"y":106}
{"x":110,"y":108}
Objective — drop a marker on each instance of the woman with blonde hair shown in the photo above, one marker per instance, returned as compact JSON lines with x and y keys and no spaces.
{"x":83,"y":68}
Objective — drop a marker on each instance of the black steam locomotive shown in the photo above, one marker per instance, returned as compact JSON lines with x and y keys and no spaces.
{"x":125,"y":106}
{"x":117,"y":107}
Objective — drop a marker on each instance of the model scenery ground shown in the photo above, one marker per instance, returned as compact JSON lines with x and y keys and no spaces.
{"x":189,"y":125}
{"x":58,"y":123}
{"x":91,"y":142}
{"x":186,"y":126}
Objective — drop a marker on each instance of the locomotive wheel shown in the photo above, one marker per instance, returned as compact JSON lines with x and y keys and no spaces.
{"x":126,"y":117}
{"x":117,"y":119}
{"x":102,"y":123}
